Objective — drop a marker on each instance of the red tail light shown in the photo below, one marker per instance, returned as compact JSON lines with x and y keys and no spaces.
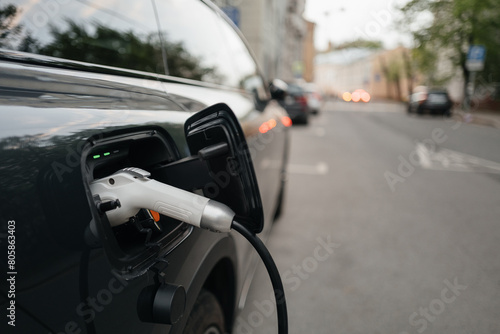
{"x":287,"y":121}
{"x":302,"y":100}
{"x":266,"y":126}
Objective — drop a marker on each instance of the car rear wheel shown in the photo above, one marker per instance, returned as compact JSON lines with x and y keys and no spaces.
{"x":206,"y":316}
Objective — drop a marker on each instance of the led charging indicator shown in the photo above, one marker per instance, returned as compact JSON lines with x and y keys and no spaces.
{"x":105,"y":154}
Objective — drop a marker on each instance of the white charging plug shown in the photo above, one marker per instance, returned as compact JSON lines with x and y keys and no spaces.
{"x":135,"y":191}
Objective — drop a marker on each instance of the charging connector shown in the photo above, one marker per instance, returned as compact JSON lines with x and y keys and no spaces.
{"x":134,"y":190}
{"x":123,"y":194}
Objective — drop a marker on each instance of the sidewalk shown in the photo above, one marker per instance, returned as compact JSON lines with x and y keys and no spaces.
{"x":480,"y":117}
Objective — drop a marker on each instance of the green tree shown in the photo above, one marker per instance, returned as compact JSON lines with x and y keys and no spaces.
{"x":103,"y":45}
{"x":8,"y":29}
{"x":409,"y":71}
{"x":449,"y":27}
{"x":360,"y":43}
{"x":123,"y":49}
{"x":12,"y":35}
{"x":394,"y":73}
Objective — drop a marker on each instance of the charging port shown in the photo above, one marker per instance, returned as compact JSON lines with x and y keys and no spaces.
{"x":130,"y":245}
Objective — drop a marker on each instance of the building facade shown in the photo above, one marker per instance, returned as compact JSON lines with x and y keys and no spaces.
{"x":384,"y":74}
{"x":275,"y":31}
{"x":309,"y":52}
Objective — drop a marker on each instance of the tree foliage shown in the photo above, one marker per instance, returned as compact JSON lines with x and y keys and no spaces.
{"x":99,"y":44}
{"x":451,"y":27}
{"x":8,"y":30}
{"x":123,"y":49}
{"x":360,"y":43}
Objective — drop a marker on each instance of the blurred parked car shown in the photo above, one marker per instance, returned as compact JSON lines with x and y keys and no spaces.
{"x":314,"y":98}
{"x":296,"y":103}
{"x":436,"y":101}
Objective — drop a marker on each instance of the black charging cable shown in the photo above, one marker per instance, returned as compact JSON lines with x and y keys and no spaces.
{"x":279,"y":292}
{"x":133,"y":183}
{"x":84,"y":287}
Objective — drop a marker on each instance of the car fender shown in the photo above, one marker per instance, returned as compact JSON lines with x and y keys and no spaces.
{"x":194,"y":269}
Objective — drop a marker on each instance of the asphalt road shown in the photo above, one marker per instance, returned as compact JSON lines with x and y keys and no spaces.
{"x":391,"y":225}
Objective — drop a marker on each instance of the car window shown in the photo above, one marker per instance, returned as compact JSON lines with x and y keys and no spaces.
{"x":245,"y":73}
{"x":295,"y":89}
{"x":182,"y":38}
{"x":111,"y":32}
{"x":207,"y":37}
{"x":418,"y":96}
{"x":437,"y":97}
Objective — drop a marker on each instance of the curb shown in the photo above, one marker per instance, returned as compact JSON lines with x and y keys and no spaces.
{"x":478,"y":119}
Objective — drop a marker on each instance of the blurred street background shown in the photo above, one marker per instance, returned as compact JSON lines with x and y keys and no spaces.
{"x":374,"y":240}
{"x":388,"y":48}
{"x":391,"y":215}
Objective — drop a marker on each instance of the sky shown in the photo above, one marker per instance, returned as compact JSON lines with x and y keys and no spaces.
{"x":346,"y":20}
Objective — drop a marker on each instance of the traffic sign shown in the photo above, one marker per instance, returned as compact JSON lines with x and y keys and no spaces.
{"x":233,"y":13}
{"x":475,"y":58}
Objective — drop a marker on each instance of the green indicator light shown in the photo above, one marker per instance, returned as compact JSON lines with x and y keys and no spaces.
{"x":106,"y":154}
{"x":97,"y":156}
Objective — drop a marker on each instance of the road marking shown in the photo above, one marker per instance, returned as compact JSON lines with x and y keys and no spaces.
{"x":445,"y":159}
{"x":321,"y":168}
{"x":423,"y":156}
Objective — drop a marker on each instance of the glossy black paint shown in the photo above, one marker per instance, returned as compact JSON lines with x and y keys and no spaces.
{"x":433,"y":101}
{"x":295,"y":103}
{"x":234,"y":180}
{"x":61,"y":98}
{"x":50,"y":109}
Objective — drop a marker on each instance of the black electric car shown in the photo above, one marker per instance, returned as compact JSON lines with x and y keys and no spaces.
{"x":88,"y":88}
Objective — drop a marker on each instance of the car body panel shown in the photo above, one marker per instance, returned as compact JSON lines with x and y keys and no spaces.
{"x":47,"y":114}
{"x":314,"y":98}
{"x":296,"y":104}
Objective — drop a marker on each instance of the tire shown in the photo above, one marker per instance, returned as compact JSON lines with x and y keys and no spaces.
{"x":206,"y":316}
